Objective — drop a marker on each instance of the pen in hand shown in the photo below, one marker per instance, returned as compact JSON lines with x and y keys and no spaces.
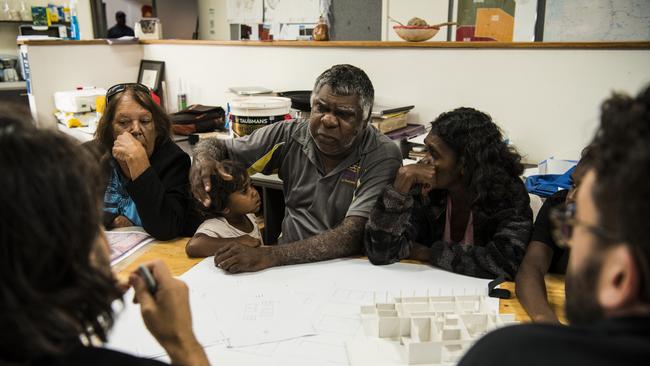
{"x":148,"y":278}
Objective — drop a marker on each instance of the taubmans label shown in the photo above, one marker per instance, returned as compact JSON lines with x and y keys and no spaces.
{"x":245,"y":125}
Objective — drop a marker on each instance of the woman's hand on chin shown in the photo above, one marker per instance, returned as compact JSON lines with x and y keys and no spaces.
{"x":128,"y":150}
{"x":407,"y":176}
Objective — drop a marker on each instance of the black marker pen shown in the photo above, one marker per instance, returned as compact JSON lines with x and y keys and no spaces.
{"x":148,"y":278}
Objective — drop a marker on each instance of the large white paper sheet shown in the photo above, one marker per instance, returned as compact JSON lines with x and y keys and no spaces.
{"x":322,"y":298}
{"x":130,"y":335}
{"x":262,"y":316}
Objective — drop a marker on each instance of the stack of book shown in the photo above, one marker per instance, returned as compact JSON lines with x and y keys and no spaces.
{"x":417,"y":152}
{"x":411,"y":130}
{"x":388,"y":119}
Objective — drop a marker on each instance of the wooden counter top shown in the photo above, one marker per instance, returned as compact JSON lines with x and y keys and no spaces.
{"x":61,"y":42}
{"x":363,"y":44}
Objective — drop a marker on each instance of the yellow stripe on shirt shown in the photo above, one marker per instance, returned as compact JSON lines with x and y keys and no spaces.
{"x":261,"y":163}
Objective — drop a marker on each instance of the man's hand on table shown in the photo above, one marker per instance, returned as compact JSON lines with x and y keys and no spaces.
{"x":248,"y":241}
{"x":237,"y":258}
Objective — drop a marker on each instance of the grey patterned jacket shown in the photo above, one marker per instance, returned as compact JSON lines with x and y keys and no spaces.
{"x":500,"y":240}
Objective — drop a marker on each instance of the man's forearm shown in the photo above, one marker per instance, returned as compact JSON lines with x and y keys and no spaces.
{"x":343,"y":241}
{"x":213,"y":148}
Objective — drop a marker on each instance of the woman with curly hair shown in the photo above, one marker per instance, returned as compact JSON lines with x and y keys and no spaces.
{"x":463,"y":208}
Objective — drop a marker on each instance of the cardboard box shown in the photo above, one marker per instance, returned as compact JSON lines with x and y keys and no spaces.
{"x":555,"y":166}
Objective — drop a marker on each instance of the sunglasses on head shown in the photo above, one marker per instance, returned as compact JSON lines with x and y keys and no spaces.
{"x":118,"y":88}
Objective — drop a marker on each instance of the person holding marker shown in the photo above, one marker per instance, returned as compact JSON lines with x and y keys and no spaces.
{"x":56,"y":284}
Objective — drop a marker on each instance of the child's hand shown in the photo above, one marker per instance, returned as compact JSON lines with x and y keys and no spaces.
{"x":249,"y":241}
{"x":121,"y":221}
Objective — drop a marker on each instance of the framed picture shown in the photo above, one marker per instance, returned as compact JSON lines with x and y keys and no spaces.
{"x":151,"y":74}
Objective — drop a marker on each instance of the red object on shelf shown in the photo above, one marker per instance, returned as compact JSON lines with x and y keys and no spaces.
{"x":465,"y":33}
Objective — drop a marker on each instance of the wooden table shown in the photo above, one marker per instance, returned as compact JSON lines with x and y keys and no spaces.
{"x":173,"y":254}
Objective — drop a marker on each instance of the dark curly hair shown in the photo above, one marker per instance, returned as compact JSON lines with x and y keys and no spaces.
{"x":162,"y":123}
{"x":491,"y":167}
{"x":222,"y":189}
{"x":622,"y":164}
{"x":50,"y":291}
{"x":15,"y":115}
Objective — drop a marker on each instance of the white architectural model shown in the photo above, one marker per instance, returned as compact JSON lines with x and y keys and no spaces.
{"x":422,"y":330}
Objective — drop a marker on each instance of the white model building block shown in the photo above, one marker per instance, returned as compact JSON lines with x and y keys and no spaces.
{"x":422,"y":352}
{"x":431,"y":330}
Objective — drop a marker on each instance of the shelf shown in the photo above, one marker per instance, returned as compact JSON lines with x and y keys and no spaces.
{"x":372,"y":44}
{"x":61,"y":42}
{"x":401,"y":44}
{"x":30,"y":22}
{"x":18,"y":85}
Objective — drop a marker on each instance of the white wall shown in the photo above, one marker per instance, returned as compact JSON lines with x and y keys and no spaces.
{"x":546,"y":100}
{"x":212,"y":20}
{"x":178,"y":18}
{"x":85,"y":18}
{"x":8,"y":34}
{"x":59,"y":68}
{"x":525,"y":17}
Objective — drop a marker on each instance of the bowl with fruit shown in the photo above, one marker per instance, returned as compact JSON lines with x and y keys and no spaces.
{"x":418,"y":30}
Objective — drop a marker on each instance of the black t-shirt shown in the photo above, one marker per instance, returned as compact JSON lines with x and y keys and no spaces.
{"x":118,"y":31}
{"x":543,"y":232}
{"x":87,"y":356}
{"x":619,"y":341}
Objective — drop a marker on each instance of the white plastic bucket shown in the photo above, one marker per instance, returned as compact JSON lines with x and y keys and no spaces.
{"x":249,"y":114}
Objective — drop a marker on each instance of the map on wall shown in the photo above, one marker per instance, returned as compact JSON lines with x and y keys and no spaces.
{"x":291,"y":11}
{"x":273,"y":11}
{"x":245,"y":11}
{"x":597,"y":20}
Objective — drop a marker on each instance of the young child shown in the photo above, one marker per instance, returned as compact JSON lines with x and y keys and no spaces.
{"x":231,"y":214}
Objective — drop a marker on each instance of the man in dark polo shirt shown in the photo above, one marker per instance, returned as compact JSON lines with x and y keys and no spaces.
{"x":333,"y":167}
{"x":608,"y":276}
{"x":120,"y":29}
{"x":543,"y":254}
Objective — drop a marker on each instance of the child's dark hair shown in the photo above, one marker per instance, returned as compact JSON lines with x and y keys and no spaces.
{"x":222,"y":189}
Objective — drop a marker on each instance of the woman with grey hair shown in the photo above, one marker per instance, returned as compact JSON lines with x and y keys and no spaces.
{"x":147,"y":171}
